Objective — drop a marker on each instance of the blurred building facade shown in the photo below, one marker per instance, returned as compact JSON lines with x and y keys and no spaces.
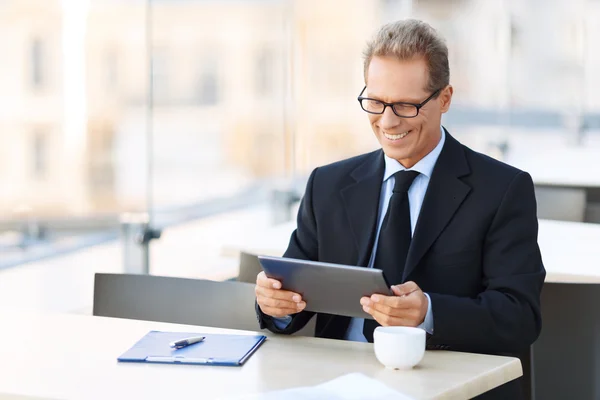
{"x":242,"y":90}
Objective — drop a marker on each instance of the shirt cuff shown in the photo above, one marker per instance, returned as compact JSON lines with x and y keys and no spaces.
{"x":283,"y":322}
{"x":427,"y":324}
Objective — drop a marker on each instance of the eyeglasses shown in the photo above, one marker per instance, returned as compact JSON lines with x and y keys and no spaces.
{"x":401,"y":109}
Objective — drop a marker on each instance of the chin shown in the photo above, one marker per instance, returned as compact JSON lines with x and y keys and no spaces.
{"x":395,"y":153}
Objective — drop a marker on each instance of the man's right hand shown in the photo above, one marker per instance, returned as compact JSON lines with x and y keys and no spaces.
{"x":273,"y":300}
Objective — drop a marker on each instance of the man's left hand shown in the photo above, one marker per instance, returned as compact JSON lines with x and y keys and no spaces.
{"x":407,"y":307}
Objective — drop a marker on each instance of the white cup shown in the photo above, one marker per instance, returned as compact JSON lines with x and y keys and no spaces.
{"x":399,"y":347}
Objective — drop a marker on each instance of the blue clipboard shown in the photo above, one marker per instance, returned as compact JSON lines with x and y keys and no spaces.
{"x":215,"y":349}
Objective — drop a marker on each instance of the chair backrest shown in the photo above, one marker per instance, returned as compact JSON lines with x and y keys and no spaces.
{"x":249,"y":267}
{"x":178,"y":300}
{"x":592,"y":213}
{"x":562,"y":204}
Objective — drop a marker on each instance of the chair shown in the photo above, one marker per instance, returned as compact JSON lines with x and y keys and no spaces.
{"x":178,"y":300}
{"x":592,"y":213}
{"x":249,"y":267}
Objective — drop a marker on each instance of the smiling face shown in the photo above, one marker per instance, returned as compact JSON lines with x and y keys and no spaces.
{"x":391,"y":80}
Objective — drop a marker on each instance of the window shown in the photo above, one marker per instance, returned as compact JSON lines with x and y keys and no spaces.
{"x":100,"y":147}
{"x":40,"y":154}
{"x":393,"y":10}
{"x":265,"y":72}
{"x":208,"y":85}
{"x":111,"y":61}
{"x":160,"y":75}
{"x":37,"y":60}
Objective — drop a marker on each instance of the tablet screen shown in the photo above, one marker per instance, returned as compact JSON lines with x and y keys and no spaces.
{"x":326,"y":287}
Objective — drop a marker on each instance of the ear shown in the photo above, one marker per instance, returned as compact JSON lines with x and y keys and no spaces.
{"x":446,"y":98}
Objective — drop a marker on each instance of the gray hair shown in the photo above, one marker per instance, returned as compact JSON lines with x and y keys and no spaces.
{"x":409,"y":39}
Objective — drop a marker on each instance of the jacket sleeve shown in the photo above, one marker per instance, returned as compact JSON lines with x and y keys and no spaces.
{"x":303,"y":245}
{"x":505,"y":317}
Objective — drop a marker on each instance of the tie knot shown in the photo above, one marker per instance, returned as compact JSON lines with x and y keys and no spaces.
{"x":403,"y":180}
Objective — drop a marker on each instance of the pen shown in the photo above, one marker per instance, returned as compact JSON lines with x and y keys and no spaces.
{"x":179,"y":344}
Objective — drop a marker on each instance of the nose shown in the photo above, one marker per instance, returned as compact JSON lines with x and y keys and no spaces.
{"x":388,"y":119}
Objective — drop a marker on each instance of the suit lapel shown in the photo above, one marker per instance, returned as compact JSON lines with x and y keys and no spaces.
{"x":361,"y":202}
{"x":445,"y":194}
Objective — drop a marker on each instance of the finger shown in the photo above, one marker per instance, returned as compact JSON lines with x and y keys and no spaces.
{"x":391,"y":311}
{"x":397,"y":291}
{"x":281,"y":304}
{"x":277,"y":294}
{"x":401,"y":317}
{"x":384,"y":319}
{"x":264,"y":281}
{"x":276,"y":312}
{"x":405,"y":288}
{"x":390,"y":301}
{"x":403,"y":302}
{"x":387,"y":320}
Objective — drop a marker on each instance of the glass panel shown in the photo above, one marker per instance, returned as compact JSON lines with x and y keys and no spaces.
{"x":116,"y":82}
{"x":247,"y":98}
{"x":520,"y":72}
{"x":328,"y":42}
{"x":279,"y":79}
{"x":72,"y":79}
{"x":220,"y":127}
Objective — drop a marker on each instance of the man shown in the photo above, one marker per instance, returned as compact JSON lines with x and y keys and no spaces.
{"x":454,"y":231}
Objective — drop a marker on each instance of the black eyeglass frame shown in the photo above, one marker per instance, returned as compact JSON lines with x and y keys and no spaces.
{"x":418,"y":107}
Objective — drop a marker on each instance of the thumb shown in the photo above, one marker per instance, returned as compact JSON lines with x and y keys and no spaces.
{"x":396,"y":290}
{"x":405,"y":289}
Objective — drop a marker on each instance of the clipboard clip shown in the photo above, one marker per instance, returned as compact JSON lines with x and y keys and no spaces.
{"x":179,"y":359}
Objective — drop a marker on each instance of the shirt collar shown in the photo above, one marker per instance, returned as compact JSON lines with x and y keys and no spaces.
{"x":424,"y":166}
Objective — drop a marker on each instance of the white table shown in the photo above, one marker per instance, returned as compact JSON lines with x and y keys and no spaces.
{"x":570,"y":251}
{"x":60,"y":356}
{"x":583,"y":176}
{"x":559,"y":166}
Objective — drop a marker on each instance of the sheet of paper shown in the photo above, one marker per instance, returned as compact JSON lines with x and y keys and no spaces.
{"x":354,"y":386}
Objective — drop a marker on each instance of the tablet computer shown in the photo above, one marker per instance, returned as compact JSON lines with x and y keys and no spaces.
{"x":325,"y":287}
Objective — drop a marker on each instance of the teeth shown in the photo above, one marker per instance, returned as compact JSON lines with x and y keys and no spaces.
{"x":395,"y":137}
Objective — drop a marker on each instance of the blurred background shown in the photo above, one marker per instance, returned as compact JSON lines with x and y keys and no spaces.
{"x":201,"y":120}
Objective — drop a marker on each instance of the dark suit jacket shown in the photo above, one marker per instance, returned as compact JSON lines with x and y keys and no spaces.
{"x":474,"y":249}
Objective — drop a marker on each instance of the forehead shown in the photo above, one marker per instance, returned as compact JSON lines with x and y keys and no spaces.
{"x":391,"y":79}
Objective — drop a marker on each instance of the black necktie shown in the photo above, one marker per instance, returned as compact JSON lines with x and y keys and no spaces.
{"x":394,"y":238}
